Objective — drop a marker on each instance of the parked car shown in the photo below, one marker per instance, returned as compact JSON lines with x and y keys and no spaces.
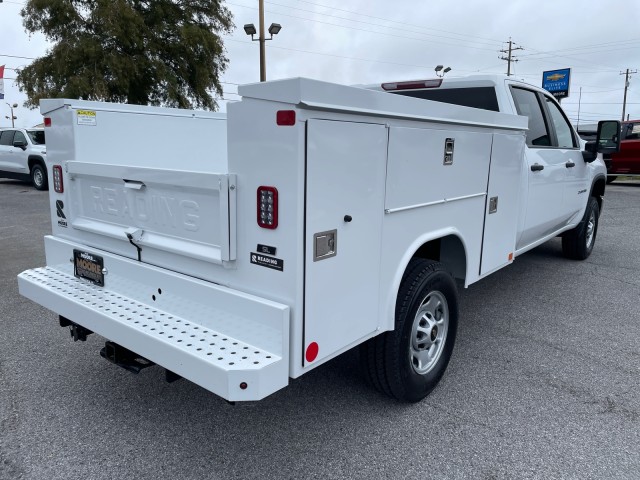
{"x":23,"y":154}
{"x":627,"y":160}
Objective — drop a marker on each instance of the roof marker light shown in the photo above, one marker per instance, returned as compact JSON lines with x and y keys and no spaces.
{"x":286,"y":117}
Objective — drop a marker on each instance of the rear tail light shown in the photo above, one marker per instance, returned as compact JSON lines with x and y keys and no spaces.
{"x":47,"y":122}
{"x":433,"y":83}
{"x":58,"y":186}
{"x":268,"y":207}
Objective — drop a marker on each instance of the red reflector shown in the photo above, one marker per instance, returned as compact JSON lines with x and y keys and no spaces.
{"x":58,"y":186}
{"x":434,"y":83}
{"x":268,"y":207}
{"x":312,"y":352}
{"x":286,"y":117}
{"x":47,"y":122}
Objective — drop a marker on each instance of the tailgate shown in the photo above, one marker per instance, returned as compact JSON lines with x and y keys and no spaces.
{"x":147,"y":213}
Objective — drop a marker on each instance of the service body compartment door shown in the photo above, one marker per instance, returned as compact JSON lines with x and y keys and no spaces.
{"x":346,"y":164}
{"x":503,"y":202}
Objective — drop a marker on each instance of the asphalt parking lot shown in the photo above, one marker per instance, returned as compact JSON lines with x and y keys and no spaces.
{"x":543,"y":383}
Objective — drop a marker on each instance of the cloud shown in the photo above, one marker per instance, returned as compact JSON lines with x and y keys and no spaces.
{"x":361,"y":42}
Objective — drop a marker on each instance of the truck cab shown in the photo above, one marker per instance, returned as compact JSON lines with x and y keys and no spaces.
{"x":559,"y":176}
{"x":23,"y":155}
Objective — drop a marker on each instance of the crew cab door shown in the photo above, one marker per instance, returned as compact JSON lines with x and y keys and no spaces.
{"x":627,"y":160}
{"x":549,"y":204}
{"x":6,"y":151}
{"x":17,"y":156}
{"x":568,"y":148}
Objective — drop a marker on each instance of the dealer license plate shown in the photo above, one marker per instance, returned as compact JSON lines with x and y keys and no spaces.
{"x":88,"y":266}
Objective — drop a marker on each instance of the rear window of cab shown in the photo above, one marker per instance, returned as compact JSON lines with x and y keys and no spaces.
{"x":476,"y":97}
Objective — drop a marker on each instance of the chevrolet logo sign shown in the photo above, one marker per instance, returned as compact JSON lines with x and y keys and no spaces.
{"x":556,"y":76}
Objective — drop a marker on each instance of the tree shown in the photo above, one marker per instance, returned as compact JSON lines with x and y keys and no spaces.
{"x":145,"y":52}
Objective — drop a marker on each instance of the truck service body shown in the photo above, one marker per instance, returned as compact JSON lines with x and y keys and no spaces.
{"x":240,"y":251}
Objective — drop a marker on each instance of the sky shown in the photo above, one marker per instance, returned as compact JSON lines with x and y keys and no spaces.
{"x":370,"y":41}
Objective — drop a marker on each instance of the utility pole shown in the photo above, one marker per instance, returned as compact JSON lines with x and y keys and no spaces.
{"x":510,"y":58}
{"x":579,"y":101}
{"x":626,"y":86}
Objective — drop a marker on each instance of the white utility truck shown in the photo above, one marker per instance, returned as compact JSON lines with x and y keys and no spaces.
{"x":240,"y":251}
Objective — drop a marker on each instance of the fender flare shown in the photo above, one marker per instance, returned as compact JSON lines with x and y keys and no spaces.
{"x":31,"y":159}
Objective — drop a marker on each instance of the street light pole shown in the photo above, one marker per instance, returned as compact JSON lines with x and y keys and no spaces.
{"x":13,"y":118}
{"x":250,"y":29}
{"x":263,"y":59}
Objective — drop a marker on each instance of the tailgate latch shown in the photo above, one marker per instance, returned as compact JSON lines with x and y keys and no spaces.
{"x":135,"y":235}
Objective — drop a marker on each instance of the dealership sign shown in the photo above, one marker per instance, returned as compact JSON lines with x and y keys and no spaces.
{"x":556,"y":82}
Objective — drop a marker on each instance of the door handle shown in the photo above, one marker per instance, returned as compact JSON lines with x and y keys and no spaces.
{"x":569,"y":164}
{"x":537,"y":167}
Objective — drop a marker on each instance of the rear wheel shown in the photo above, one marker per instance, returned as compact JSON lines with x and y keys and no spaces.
{"x":39,"y":176}
{"x":611,"y":178}
{"x":408,"y":362}
{"x":578,"y":243}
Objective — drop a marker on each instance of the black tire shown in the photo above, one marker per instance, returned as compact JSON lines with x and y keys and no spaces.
{"x":610,"y":178}
{"x":39,"y":177}
{"x":578,"y":243}
{"x":390,"y":360}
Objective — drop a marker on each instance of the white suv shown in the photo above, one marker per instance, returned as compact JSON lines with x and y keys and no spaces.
{"x":22,"y":155}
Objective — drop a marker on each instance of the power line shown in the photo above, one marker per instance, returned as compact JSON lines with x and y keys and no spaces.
{"x":333,"y":55}
{"x":365,"y":30}
{"x":583,"y":47}
{"x":374,"y":24}
{"x":400,"y":23}
{"x":16,"y":56}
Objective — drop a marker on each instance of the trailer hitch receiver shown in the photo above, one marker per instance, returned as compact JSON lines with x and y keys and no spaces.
{"x":78,"y":332}
{"x":124,"y":357}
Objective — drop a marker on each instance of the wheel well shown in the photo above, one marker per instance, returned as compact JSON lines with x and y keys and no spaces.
{"x":448,"y":250}
{"x":598,"y":190}
{"x":33,"y":160}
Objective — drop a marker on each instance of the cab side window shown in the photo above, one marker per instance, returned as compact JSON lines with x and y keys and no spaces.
{"x":6,"y":137}
{"x":527,"y":104}
{"x":560,"y":125}
{"x":633,"y":132}
{"x":19,"y":137}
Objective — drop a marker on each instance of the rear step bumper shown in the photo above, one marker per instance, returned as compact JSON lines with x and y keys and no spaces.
{"x":233,"y":344}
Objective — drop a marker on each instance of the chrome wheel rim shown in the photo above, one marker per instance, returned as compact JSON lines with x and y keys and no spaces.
{"x":591,"y":228}
{"x":38,"y":177}
{"x":429,"y":332}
